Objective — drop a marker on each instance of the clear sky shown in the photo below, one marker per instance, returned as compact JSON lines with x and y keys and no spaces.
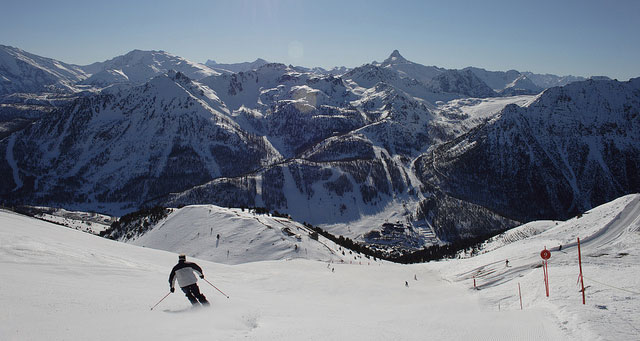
{"x":581,"y":37}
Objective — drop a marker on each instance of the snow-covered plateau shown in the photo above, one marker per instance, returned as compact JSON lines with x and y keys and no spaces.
{"x":63,"y":284}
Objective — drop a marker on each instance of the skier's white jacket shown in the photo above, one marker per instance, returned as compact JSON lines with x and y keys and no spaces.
{"x":183,"y":271}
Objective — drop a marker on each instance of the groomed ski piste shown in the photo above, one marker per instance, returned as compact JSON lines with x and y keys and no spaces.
{"x":63,"y":284}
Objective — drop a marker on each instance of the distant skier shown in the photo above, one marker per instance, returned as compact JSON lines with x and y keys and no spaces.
{"x":506,"y":263}
{"x":406,"y":284}
{"x":184,"y":272}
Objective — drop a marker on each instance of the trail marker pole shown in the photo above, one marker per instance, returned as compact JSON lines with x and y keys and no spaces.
{"x":546,"y":265}
{"x":474,"y":282}
{"x":520,"y":294}
{"x":545,"y":254}
{"x":581,"y":278}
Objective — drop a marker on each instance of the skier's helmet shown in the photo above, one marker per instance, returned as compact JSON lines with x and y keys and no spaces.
{"x":182,"y":257}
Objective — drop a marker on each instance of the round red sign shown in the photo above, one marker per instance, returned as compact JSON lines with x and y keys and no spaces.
{"x":545,"y":254}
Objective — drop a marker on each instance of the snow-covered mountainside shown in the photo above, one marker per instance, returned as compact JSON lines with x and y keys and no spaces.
{"x":334,"y":71}
{"x":408,"y":69}
{"x":236,"y":67}
{"x":436,"y":79}
{"x":520,"y":86}
{"x":137,"y":67}
{"x":337,"y":151}
{"x":609,"y":241}
{"x":128,"y":146}
{"x":507,"y":83}
{"x":63,"y":270}
{"x":273,"y":137}
{"x":573,"y":148}
{"x":234,"y":236}
{"x":514,"y":82}
{"x":548,"y":81}
{"x":461,"y":82}
{"x":21,"y":71}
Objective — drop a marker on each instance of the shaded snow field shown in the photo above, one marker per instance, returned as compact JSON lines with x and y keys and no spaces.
{"x":84,"y":221}
{"x":60,"y":283}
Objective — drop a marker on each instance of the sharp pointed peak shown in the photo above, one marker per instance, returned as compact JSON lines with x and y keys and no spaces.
{"x":395,"y":58}
{"x":396,"y":53}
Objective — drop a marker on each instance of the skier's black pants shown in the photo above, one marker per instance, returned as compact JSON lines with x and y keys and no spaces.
{"x":193,"y":294}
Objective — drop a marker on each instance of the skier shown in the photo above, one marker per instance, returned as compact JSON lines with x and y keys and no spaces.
{"x":506,"y":263}
{"x":184,"y":272}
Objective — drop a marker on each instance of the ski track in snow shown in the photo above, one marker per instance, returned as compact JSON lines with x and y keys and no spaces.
{"x":12,"y":162}
{"x":60,"y":283}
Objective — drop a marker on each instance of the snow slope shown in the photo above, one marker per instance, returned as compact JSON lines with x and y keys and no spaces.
{"x":60,"y":283}
{"x":244,"y":237}
{"x":137,"y":67}
{"x":609,"y":244}
{"x":21,"y":71}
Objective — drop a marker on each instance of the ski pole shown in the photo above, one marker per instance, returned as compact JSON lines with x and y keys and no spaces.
{"x":165,"y":296}
{"x":204,"y":279}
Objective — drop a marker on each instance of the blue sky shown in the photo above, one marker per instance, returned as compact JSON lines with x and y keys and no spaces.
{"x":562,"y":37}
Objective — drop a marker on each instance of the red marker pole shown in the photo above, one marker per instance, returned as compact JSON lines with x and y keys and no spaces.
{"x":546,"y":265}
{"x":581,"y":278}
{"x":474,"y":282}
{"x":544,"y":270}
{"x":545,"y":254}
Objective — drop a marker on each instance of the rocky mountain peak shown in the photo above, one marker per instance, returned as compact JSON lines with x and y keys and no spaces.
{"x":395,"y":58}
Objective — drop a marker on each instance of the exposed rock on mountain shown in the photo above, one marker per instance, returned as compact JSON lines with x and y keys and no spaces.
{"x":572,"y":149}
{"x":128,"y":146}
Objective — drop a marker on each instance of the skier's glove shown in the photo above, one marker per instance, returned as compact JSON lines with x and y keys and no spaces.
{"x":172,"y":289}
{"x":202,"y":276}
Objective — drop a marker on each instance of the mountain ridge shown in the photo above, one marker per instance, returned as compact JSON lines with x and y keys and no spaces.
{"x":348,"y":152}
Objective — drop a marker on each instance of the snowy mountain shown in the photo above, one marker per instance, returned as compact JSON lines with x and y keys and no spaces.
{"x":357,"y":154}
{"x":436,"y":79}
{"x":545,"y":81}
{"x":334,"y":71}
{"x":235,"y":236}
{"x":236,"y":67}
{"x":461,"y":82}
{"x":508,"y":83}
{"x":131,"y":145}
{"x":137,"y":67}
{"x":21,"y":71}
{"x":520,"y":86}
{"x":408,"y":69}
{"x":573,"y":148}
